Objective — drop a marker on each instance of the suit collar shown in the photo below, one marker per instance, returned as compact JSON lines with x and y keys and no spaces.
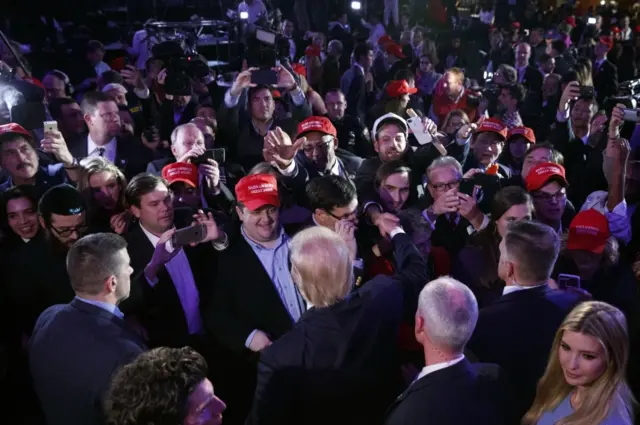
{"x":533,"y":292}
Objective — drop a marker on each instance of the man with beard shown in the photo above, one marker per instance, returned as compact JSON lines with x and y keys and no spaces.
{"x":76,"y":347}
{"x":102,"y":117}
{"x":20,"y":160}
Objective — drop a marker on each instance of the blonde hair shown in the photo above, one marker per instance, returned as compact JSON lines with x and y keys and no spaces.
{"x":610,"y":391}
{"x":321,"y":266}
{"x":91,"y":166}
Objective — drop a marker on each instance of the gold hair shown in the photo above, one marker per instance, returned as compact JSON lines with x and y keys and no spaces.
{"x":610,"y":391}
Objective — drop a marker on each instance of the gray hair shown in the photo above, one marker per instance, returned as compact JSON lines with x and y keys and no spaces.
{"x":450,"y":312}
{"x":444,"y":161}
{"x":179,"y":129}
{"x":533,"y":247}
{"x":92,"y":259}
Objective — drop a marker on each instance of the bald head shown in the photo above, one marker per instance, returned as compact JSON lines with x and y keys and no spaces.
{"x":523,"y":53}
{"x":449,"y":311}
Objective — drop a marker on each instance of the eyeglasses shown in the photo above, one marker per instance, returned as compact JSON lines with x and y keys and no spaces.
{"x":321,"y":147}
{"x":550,"y":197}
{"x":442,"y":187}
{"x":348,"y":216}
{"x":68,"y":231}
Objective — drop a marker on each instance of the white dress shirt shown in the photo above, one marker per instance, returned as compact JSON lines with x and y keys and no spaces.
{"x":515,"y":288}
{"x":109,"y":153}
{"x":438,"y":366}
{"x":180,"y":271}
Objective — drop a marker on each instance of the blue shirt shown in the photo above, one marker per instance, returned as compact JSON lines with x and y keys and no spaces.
{"x":111,"y":308}
{"x":276,"y":263}
{"x":46,"y":177}
{"x":564,"y":409}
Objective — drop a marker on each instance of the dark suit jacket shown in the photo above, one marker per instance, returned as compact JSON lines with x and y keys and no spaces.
{"x":158,"y":308}
{"x":244,"y":299}
{"x":516,"y":332}
{"x":340,"y":362}
{"x":167,"y":122}
{"x":605,"y":81}
{"x":461,"y":394}
{"x":131,"y":156}
{"x":74,"y":350}
{"x":358,"y":100}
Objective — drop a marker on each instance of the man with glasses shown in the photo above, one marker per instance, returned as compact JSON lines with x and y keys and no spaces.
{"x":547,"y":185}
{"x":453,"y":215}
{"x":103,"y":121}
{"x":319,"y":155}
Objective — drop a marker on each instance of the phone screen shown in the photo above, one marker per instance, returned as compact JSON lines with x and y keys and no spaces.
{"x":264,"y":77}
{"x":189,"y":235}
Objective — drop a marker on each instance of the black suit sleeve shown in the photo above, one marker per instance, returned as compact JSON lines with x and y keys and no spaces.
{"x":274,"y":396}
{"x":218,"y":313}
{"x":411,"y":271}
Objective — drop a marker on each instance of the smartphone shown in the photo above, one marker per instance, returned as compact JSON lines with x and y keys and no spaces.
{"x":189,"y":235}
{"x":265,"y":77}
{"x":632,"y":115}
{"x":591,"y":21}
{"x":469,"y":187}
{"x":50,"y":126}
{"x":568,"y":281}
{"x":587,"y":92}
{"x":219,"y":155}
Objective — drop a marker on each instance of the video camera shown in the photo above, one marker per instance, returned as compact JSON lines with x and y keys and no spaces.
{"x":265,"y":44}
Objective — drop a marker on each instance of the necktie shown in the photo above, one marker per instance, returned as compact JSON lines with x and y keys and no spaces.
{"x":100,"y":151}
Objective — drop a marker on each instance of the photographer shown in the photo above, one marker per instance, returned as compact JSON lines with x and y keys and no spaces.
{"x":248,"y":128}
{"x":582,"y":161}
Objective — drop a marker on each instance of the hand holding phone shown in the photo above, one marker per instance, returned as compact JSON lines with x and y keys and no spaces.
{"x":189,"y":236}
{"x":266,"y":77}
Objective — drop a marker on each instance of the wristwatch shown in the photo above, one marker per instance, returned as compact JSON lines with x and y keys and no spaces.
{"x":74,"y":164}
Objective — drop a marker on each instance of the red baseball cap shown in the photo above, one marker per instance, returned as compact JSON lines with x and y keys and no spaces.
{"x":493,"y":125}
{"x":385,"y":39}
{"x":320,"y":124}
{"x":615,"y":30}
{"x":571,"y":20}
{"x":299,"y":69}
{"x":312,"y":50}
{"x":589,"y":231}
{"x":525,"y":132}
{"x":607,"y":40}
{"x":394,"y":49}
{"x":541,"y":174}
{"x":181,"y":172}
{"x":399,"y":87}
{"x":257,"y":190}
{"x":515,"y":24}
{"x":13,"y":128}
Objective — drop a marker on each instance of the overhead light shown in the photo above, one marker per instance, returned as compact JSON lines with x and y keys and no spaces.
{"x":602,"y":2}
{"x":356,"y":5}
{"x":244,"y":15}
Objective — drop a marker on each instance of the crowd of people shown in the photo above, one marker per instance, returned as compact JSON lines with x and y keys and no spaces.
{"x":380,"y":237}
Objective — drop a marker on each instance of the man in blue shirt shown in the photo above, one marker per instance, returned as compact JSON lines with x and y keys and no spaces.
{"x":75,"y":348}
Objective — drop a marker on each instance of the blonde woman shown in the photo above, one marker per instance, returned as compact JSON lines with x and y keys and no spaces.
{"x":102,"y":184}
{"x":585,"y":383}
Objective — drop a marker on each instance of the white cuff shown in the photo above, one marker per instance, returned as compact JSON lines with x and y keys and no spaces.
{"x":250,"y":338}
{"x":460,"y":141}
{"x":221,"y":246}
{"x":620,"y":209}
{"x":230,"y":101}
{"x":431,"y":224}
{"x":290,"y":171}
{"x":396,"y":231}
{"x":562,"y":116}
{"x":142,"y":93}
{"x":358,"y":263}
{"x":151,"y":283}
{"x":297,"y":97}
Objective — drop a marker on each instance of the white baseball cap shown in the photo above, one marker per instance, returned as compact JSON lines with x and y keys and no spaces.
{"x":390,"y":118}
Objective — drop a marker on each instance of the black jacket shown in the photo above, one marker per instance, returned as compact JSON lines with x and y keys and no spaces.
{"x":516,"y":332}
{"x":461,"y":394}
{"x":341,"y":362}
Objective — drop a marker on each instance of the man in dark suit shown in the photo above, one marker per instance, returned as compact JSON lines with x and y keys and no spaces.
{"x":103,"y":122}
{"x":450,"y":389}
{"x":517,"y":331}
{"x":357,"y":85}
{"x":530,"y":77}
{"x":340,"y":360}
{"x":169,"y":281}
{"x":75,"y":348}
{"x":605,"y":74}
{"x":319,"y":154}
